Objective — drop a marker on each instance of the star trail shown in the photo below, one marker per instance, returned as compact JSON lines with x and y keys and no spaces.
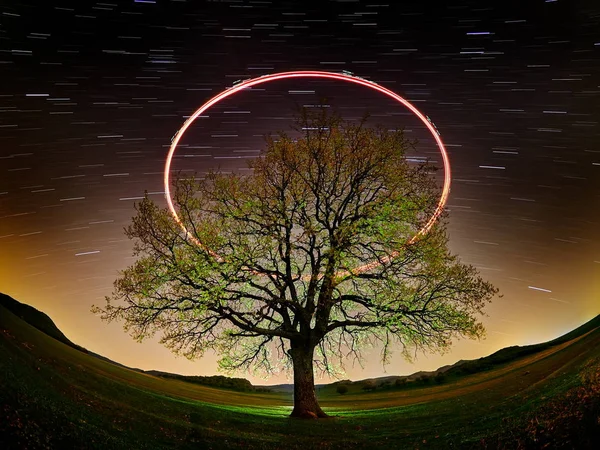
{"x":92,"y":93}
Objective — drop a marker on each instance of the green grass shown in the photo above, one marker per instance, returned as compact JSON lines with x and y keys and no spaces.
{"x":54,"y":396}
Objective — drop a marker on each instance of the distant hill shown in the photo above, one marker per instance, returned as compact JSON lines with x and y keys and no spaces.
{"x":220,"y":381}
{"x":43,"y":323}
{"x":508,"y":354}
{"x":36,"y":319}
{"x":461,"y":367}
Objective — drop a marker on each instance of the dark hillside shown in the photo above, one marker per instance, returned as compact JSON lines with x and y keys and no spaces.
{"x":54,"y":396}
{"x":220,"y":381}
{"x":36,"y":319}
{"x":508,"y":354}
{"x":43,"y":323}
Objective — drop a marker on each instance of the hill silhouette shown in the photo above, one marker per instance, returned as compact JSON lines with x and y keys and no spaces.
{"x":36,"y":319}
{"x":462,"y":367}
{"x":44,"y":323}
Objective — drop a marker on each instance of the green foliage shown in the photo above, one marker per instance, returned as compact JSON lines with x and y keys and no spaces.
{"x":341,"y":389}
{"x":424,"y":379}
{"x":400,"y":382}
{"x":369,"y":385}
{"x":272,"y":258}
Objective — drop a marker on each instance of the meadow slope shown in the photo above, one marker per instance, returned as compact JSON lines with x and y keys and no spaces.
{"x":53,"y":395}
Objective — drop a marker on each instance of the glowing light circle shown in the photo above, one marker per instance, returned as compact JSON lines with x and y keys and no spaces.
{"x":312,"y":74}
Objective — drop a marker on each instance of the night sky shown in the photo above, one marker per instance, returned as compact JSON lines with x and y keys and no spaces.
{"x":92,"y":92}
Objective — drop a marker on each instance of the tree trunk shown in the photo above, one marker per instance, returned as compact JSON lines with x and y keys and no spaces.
{"x":306,"y":405}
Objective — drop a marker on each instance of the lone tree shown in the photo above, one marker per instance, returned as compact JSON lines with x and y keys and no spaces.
{"x":303,"y":261}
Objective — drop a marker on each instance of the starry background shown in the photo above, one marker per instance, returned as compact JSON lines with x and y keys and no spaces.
{"x":92,"y":92}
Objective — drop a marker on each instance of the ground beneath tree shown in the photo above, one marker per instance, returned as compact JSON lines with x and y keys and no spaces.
{"x":54,"y":396}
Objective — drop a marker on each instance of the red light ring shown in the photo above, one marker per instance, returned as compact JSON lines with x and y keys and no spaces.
{"x":312,"y":74}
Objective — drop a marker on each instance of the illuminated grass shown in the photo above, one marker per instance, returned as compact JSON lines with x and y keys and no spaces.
{"x":53,"y":396}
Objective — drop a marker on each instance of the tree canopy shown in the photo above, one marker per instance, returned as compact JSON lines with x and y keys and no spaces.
{"x":271,"y":271}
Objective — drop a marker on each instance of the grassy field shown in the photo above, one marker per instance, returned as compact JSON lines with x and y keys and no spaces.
{"x":55,"y":396}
